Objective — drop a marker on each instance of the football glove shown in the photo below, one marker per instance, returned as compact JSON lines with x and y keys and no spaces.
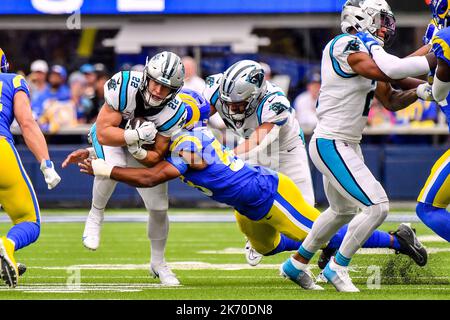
{"x":52,"y":178}
{"x":368,"y":40}
{"x":424,"y":92}
{"x":145,"y":132}
{"x":137,"y":151}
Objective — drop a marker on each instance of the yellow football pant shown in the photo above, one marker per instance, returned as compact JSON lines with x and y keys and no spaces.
{"x":17,"y":195}
{"x":290,"y":214}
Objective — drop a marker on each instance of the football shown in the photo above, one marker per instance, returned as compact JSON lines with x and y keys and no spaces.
{"x":134,"y":124}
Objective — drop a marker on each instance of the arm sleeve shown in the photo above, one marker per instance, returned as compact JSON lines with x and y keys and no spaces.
{"x":396,"y":68}
{"x":275,"y":110}
{"x":20,"y":84}
{"x":211,"y":92}
{"x":112,"y":90}
{"x":340,"y":48}
{"x":183,"y":143}
{"x":440,"y":91}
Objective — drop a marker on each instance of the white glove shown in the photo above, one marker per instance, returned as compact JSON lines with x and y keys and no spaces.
{"x":424,"y":92}
{"x":136,"y":151}
{"x":146,"y":132}
{"x":52,"y":178}
{"x":101,"y":168}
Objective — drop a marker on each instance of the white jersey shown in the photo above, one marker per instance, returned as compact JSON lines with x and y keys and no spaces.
{"x":122,"y":94}
{"x":274,"y":107}
{"x":345,"y":96}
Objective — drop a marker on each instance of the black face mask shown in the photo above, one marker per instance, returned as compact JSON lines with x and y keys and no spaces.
{"x":387,"y":20}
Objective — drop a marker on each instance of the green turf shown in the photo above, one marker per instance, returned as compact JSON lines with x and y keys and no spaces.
{"x":59,"y":247}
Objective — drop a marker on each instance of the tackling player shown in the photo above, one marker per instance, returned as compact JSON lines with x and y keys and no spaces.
{"x":435,"y":195}
{"x":17,"y":195}
{"x":270,"y":209}
{"x":151,"y":94}
{"x":355,"y":68}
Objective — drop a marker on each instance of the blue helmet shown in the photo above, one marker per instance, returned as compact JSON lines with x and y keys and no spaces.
{"x":440,"y":10}
{"x":4,"y":65}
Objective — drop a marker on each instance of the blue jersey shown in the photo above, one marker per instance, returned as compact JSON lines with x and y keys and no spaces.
{"x":10,"y":83}
{"x":249,"y":189}
{"x":197,"y":108}
{"x":441,"y":48}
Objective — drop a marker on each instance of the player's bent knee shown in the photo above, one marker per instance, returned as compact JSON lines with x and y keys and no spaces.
{"x":379,"y":211}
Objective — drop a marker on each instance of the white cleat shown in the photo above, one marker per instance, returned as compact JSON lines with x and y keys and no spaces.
{"x":165,"y":275}
{"x":338,"y":276}
{"x":92,"y":228}
{"x":253,"y":257}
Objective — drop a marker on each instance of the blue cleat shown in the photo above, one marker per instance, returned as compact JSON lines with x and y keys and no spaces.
{"x":338,"y":276}
{"x":303,"y":278}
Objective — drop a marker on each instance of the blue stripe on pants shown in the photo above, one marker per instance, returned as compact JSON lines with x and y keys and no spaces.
{"x":330,"y":156}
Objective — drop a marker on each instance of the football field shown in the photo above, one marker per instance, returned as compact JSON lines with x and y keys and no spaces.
{"x":209,"y":260}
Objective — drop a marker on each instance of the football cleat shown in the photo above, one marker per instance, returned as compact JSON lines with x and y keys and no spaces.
{"x":9,"y":271}
{"x":165,"y":275}
{"x":92,"y":228}
{"x":253,"y":257}
{"x":339,"y":277}
{"x":304,"y":278}
{"x":325,"y":257}
{"x":410,"y":245}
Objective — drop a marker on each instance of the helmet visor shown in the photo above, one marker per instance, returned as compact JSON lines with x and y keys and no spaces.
{"x":385,"y":23}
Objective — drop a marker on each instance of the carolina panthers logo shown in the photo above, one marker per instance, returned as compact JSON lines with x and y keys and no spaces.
{"x":209,"y":82}
{"x":352,"y":45}
{"x":278,"y":107}
{"x":112,"y":85}
{"x":256,"y":76}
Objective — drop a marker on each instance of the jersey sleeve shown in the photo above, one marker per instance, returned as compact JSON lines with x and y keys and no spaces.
{"x":275,"y":109}
{"x":20,"y":84}
{"x":115,"y":91}
{"x":341,"y":47}
{"x":211,"y":92}
{"x":176,"y":118}
{"x":441,"y":45}
{"x":184,"y":142}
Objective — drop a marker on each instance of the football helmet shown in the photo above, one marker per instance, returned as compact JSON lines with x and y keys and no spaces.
{"x":166,"y":69}
{"x":4,"y":65}
{"x":243,"y":82}
{"x":440,"y":10}
{"x":369,"y":16}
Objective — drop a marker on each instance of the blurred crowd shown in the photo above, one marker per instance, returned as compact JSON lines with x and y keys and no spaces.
{"x":59,"y":99}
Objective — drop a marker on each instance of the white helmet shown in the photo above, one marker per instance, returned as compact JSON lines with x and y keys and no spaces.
{"x":166,"y":69}
{"x":370,"y":16}
{"x":243,"y":81}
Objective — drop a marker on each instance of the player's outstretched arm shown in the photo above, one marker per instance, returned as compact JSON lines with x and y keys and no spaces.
{"x":137,"y":177}
{"x":365,"y":66}
{"x":34,"y":138}
{"x":108,"y":131}
{"x":392,"y":99}
{"x":441,"y":82}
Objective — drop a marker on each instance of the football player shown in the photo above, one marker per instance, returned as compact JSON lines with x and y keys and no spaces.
{"x":17,"y":195}
{"x":354,"y":70}
{"x":259,"y":112}
{"x":269,"y":207}
{"x":151,"y":94}
{"x":435,"y":195}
